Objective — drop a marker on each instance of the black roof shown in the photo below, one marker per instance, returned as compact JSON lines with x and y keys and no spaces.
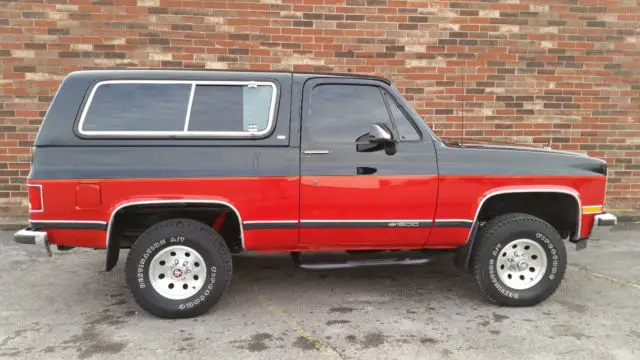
{"x":183,"y":73}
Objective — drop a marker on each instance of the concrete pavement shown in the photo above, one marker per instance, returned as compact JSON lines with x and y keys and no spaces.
{"x":68,"y":307}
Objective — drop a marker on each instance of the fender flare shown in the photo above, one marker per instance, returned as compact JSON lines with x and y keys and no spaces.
{"x":113,"y":252}
{"x":463,"y":253}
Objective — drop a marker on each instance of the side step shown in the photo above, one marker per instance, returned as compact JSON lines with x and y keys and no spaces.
{"x":342,"y":260}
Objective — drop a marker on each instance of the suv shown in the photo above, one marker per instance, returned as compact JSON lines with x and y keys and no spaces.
{"x":187,"y":167}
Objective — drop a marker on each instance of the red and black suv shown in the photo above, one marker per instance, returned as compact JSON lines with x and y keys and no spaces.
{"x":187,"y":167}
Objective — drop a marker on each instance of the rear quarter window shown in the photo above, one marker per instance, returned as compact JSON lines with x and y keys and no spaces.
{"x":137,"y":107}
{"x":231,"y":109}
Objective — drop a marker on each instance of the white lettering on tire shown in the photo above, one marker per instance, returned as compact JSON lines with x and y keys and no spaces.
{"x":204,"y":295}
{"x":143,"y":261}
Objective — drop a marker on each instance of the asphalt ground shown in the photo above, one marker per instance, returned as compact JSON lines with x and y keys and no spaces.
{"x":67,"y":307}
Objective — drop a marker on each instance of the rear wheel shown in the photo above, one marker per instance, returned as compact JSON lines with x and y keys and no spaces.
{"x":519,"y":260}
{"x":178,"y":268}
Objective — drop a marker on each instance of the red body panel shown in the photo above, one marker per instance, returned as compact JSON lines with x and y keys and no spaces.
{"x":366,"y":198}
{"x":277,"y":199}
{"x":461,"y":196}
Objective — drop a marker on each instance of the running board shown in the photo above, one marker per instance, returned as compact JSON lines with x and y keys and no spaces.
{"x":385,"y":260}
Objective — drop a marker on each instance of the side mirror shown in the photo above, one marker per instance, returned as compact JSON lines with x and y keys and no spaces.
{"x":379,"y":134}
{"x":378,"y":138}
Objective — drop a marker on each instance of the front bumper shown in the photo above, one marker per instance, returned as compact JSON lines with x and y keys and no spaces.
{"x":31,"y":237}
{"x":602,"y":224}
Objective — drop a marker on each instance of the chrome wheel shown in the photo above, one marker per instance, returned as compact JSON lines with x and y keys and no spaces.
{"x":177,"y":272}
{"x":521,"y":264}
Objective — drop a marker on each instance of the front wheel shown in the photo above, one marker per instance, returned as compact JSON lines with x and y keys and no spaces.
{"x":178,"y":268}
{"x":519,"y":260}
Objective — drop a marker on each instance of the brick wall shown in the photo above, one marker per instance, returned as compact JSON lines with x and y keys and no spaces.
{"x":527,"y":71}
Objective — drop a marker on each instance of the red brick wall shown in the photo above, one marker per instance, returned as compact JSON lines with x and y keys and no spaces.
{"x":528,"y":71}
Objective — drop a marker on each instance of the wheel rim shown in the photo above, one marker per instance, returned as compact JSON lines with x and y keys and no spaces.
{"x":521,"y":264}
{"x":177,"y":272}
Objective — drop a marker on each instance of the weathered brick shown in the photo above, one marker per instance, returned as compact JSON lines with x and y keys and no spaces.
{"x":406,"y":26}
{"x":458,"y":35}
{"x":594,"y":23}
{"x":238,"y":51}
{"x":579,"y":55}
{"x":394,"y":48}
{"x":33,"y":15}
{"x":506,"y":71}
{"x":447,"y":42}
{"x":181,"y":27}
{"x":302,"y":23}
{"x":54,"y":31}
{"x":24,"y":68}
{"x":312,"y":16}
{"x":418,"y":19}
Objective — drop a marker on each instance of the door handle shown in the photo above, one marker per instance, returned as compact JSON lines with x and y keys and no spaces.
{"x":308,"y":153}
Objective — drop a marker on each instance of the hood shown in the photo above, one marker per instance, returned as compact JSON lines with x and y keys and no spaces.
{"x":520,"y":148}
{"x":510,"y":159}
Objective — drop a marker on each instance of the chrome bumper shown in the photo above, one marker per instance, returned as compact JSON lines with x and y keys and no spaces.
{"x":602,"y":225}
{"x":31,"y":237}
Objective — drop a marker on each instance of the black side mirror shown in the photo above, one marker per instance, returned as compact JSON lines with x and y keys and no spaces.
{"x":378,"y":138}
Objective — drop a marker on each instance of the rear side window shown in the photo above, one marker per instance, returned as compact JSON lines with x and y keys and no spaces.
{"x":179,"y":108}
{"x":230,"y":108}
{"x":137,"y":107}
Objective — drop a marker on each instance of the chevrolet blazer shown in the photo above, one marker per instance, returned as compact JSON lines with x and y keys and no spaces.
{"x":186,"y":168}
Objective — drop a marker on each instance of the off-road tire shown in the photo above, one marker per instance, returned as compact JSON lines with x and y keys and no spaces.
{"x":491,"y":240}
{"x":191,"y":234}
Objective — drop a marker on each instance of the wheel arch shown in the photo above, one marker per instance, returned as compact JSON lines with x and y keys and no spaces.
{"x":463,"y":253}
{"x":528,"y":190}
{"x":113,"y":250}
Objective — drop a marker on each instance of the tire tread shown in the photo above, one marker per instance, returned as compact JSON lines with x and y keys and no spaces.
{"x":207,"y":232}
{"x":491,"y":229}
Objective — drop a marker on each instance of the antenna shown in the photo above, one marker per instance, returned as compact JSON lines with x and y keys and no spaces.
{"x":464,"y":91}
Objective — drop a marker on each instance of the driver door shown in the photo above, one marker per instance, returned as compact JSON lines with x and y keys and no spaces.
{"x":358,"y":196}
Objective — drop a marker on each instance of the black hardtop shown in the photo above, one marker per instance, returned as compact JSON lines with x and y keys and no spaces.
{"x":209,"y":74}
{"x":58,"y":127}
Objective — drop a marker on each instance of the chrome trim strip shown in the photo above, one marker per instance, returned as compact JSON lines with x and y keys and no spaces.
{"x":270,"y":224}
{"x":188,"y":116}
{"x":155,"y":134}
{"x":270,"y":221}
{"x":453,"y":223}
{"x":533,"y":190}
{"x":41,"y":199}
{"x":364,"y":221}
{"x":342,"y":224}
{"x":186,"y":201}
{"x":71,"y":224}
{"x":290,"y":224}
{"x":455,"y":220}
{"x":71,"y":221}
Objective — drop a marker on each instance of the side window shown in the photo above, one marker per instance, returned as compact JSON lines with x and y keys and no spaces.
{"x":137,"y":107}
{"x":230,"y":108}
{"x":166,"y":108}
{"x":343,"y":113}
{"x":406,"y":129}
